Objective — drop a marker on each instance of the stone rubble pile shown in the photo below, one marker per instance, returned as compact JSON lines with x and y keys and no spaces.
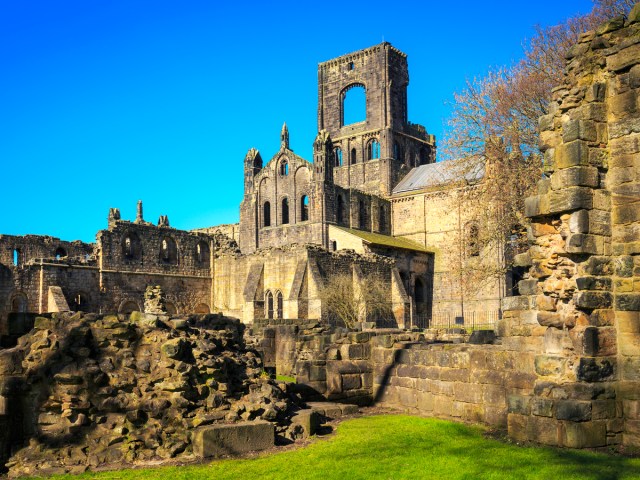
{"x":120,"y":389}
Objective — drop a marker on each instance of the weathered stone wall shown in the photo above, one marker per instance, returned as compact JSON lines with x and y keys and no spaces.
{"x":80,"y":391}
{"x":242,"y":283}
{"x":382,"y":70}
{"x":580,"y":309}
{"x":30,"y":263}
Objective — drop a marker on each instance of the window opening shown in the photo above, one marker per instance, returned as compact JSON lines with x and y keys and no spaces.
{"x":284,"y":168}
{"x":266,"y":214}
{"x":60,"y":253}
{"x":354,"y":105}
{"x":419,"y":291}
{"x":424,"y":156}
{"x":280,"y":305}
{"x":16,"y":257}
{"x":269,"y":302}
{"x":285,"y":210}
{"x":340,"y":212}
{"x":304,"y":208}
{"x":473,"y":245}
{"x":373,"y":150}
{"x":19,"y":303}
{"x":202,"y":253}
{"x":338,"y":155}
{"x":353,"y":156}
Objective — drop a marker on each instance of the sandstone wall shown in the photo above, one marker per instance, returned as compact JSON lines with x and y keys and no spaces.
{"x":438,"y":219}
{"x":580,"y":309}
{"x":81,"y":391}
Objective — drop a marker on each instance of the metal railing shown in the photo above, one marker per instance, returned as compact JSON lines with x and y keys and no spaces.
{"x":470,"y":321}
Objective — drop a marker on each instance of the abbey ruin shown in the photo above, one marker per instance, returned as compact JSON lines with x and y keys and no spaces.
{"x":563,"y":367}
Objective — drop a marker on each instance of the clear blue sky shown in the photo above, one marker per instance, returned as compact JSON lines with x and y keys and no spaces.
{"x":103,"y":103}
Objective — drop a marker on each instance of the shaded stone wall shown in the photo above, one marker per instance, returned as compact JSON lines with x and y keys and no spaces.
{"x":84,"y":390}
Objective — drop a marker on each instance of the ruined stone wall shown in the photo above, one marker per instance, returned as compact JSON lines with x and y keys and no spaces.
{"x":231,"y":230}
{"x":382,"y":70}
{"x":84,"y":391}
{"x":579,"y":311}
{"x":22,"y":258}
{"x":241,"y":282}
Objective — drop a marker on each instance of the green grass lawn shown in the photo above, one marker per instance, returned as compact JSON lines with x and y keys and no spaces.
{"x":400,"y":446}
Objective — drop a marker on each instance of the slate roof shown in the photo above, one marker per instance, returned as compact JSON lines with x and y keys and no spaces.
{"x":440,"y":173}
{"x":385,"y":240}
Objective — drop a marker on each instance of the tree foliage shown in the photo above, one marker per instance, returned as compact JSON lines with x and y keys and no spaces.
{"x":494,"y":123}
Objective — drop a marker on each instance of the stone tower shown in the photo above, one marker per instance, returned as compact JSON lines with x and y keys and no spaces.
{"x":374,"y":154}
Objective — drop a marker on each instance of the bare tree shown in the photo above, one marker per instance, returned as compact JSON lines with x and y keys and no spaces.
{"x":353,"y":301}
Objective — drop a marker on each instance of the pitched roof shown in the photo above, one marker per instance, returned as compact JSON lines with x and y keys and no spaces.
{"x":381,"y":240}
{"x":440,"y":173}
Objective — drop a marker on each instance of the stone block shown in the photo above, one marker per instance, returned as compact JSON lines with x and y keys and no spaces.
{"x":351,"y":382}
{"x":308,"y":420}
{"x":627,"y":301}
{"x":495,"y":377}
{"x":595,"y":369}
{"x":443,"y":405}
{"x":579,"y":222}
{"x":585,"y":243}
{"x":593,"y":283}
{"x":628,"y":322}
{"x":625,"y":58}
{"x":482,"y":337}
{"x":234,"y":439}
{"x":543,"y":429}
{"x":550,"y":319}
{"x":623,"y":104}
{"x":593,"y":300}
{"x":634,"y":14}
{"x":572,"y":154}
{"x":542,"y":407}
{"x":600,"y":222}
{"x":579,"y":130}
{"x":515,"y":303}
{"x":468,"y":392}
{"x":573,"y":410}
{"x":424,"y":401}
{"x":494,"y":395}
{"x":629,"y":344}
{"x":623,"y":214}
{"x":517,"y":426}
{"x":519,"y":404}
{"x":584,"y":434}
{"x":570,"y":198}
{"x":603,"y":409}
{"x":536,"y":205}
{"x":546,"y":303}
{"x":549,"y":365}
